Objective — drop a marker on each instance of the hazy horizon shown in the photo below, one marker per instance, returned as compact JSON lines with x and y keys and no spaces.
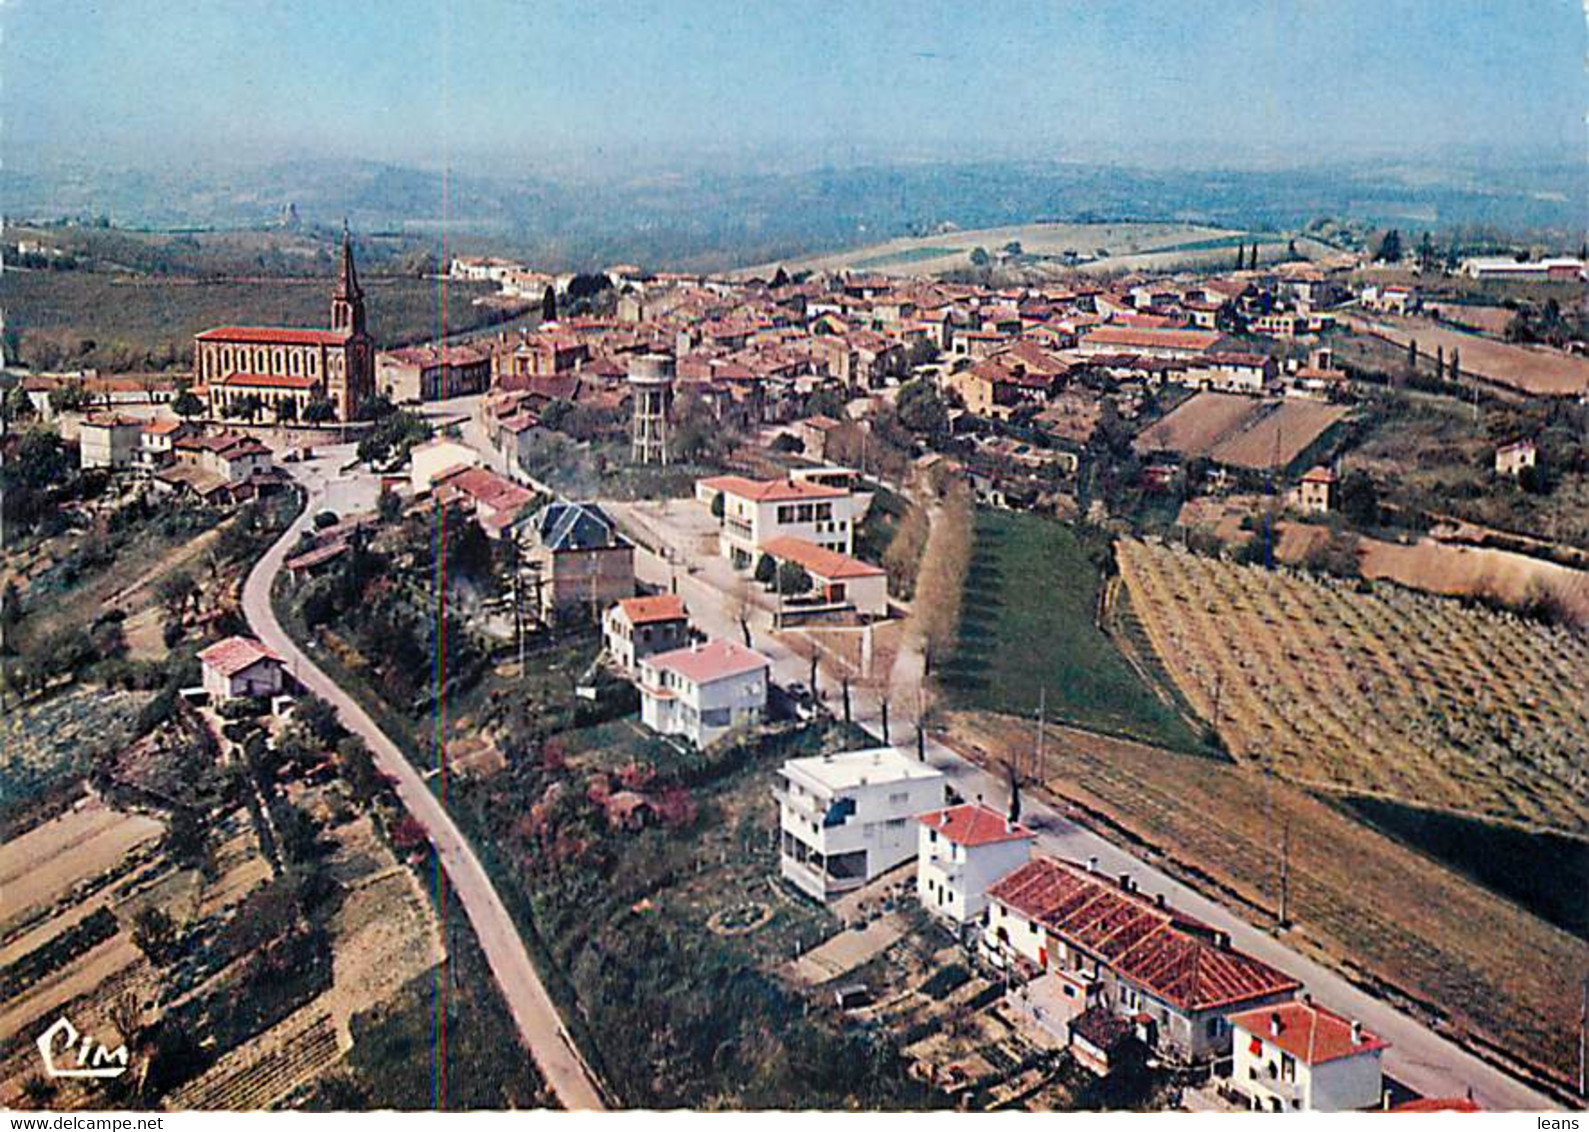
{"x":503,"y":88}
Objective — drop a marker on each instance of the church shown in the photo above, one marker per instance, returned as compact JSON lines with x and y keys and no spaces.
{"x":278,"y":372}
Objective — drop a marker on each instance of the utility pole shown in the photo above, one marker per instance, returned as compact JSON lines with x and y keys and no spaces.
{"x":1583,"y":1039}
{"x":1042,"y":713}
{"x":886,"y":740}
{"x":1285,"y":874}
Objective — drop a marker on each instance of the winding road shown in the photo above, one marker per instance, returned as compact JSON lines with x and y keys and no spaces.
{"x":540,"y":1027}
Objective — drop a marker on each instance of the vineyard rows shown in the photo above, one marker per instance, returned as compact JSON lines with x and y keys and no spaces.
{"x":1390,"y":693}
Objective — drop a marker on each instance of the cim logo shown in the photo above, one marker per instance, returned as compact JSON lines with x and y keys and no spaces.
{"x":93,"y":1059}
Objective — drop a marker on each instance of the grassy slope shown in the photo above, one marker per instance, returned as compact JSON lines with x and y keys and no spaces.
{"x":1028,"y":624}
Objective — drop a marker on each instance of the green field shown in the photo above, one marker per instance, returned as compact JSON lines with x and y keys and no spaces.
{"x":1028,"y":629}
{"x":908,"y":255}
{"x":129,"y":323}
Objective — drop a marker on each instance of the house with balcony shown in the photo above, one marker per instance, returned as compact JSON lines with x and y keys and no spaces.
{"x":845,"y":819}
{"x":1300,"y":1057}
{"x":961,"y":852}
{"x":703,"y":692}
{"x":754,"y":512}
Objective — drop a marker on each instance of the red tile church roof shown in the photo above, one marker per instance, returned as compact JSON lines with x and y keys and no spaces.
{"x":273,"y":336}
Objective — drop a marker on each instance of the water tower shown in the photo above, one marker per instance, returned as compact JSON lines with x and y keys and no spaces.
{"x":651,"y":385}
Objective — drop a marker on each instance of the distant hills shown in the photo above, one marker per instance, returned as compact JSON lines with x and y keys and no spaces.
{"x":710,"y":221}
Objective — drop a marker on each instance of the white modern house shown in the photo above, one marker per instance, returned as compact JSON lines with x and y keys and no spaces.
{"x":703,"y":691}
{"x":754,"y":512}
{"x":961,"y":852}
{"x":847,"y":818}
{"x":638,"y":627}
{"x":241,"y":667}
{"x":1300,"y":1057}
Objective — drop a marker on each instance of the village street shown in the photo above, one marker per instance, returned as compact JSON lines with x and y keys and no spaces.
{"x":1418,"y":1058}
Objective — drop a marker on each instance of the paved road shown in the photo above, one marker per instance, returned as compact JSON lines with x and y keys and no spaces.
{"x":540,"y":1027}
{"x":1418,"y":1057}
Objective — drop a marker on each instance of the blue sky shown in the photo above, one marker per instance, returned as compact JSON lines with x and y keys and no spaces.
{"x":514,"y":85}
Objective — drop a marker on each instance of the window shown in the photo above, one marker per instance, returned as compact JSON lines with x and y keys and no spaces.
{"x":899,"y":799}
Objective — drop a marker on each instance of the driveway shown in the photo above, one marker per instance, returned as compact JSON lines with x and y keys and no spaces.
{"x":540,"y":1028}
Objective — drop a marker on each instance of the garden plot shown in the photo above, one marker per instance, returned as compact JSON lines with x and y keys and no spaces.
{"x":46,"y":863}
{"x":1388,"y":693}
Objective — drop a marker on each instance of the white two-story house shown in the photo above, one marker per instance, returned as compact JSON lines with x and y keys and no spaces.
{"x":847,"y":818}
{"x":1300,"y":1057}
{"x":703,"y":691}
{"x":961,"y":852}
{"x":755,"y":512}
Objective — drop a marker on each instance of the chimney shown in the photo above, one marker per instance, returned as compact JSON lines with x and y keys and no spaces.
{"x":1125,"y":882}
{"x":1092,"y":864}
{"x":1158,"y":898}
{"x":1274,"y":1023}
{"x":1307,"y":999}
{"x":1357,"y":1033}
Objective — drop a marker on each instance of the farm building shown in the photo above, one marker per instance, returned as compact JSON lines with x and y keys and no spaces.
{"x":1315,"y":495}
{"x":241,"y":667}
{"x":1512,"y":459}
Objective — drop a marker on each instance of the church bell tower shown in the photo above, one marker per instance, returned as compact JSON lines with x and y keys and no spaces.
{"x":347,"y":301}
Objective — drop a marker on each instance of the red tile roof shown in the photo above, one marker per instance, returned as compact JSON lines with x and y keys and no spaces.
{"x":485,"y":487}
{"x":1308,"y":1032}
{"x":715,"y":660}
{"x":660,"y":607}
{"x":273,"y":336}
{"x":829,"y":564}
{"x":973,"y":824}
{"x":772,"y":491}
{"x":1168,"y":954}
{"x":1142,"y":338}
{"x":235,"y":654}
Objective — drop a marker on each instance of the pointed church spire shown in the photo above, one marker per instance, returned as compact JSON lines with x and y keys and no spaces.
{"x":348,"y":277}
